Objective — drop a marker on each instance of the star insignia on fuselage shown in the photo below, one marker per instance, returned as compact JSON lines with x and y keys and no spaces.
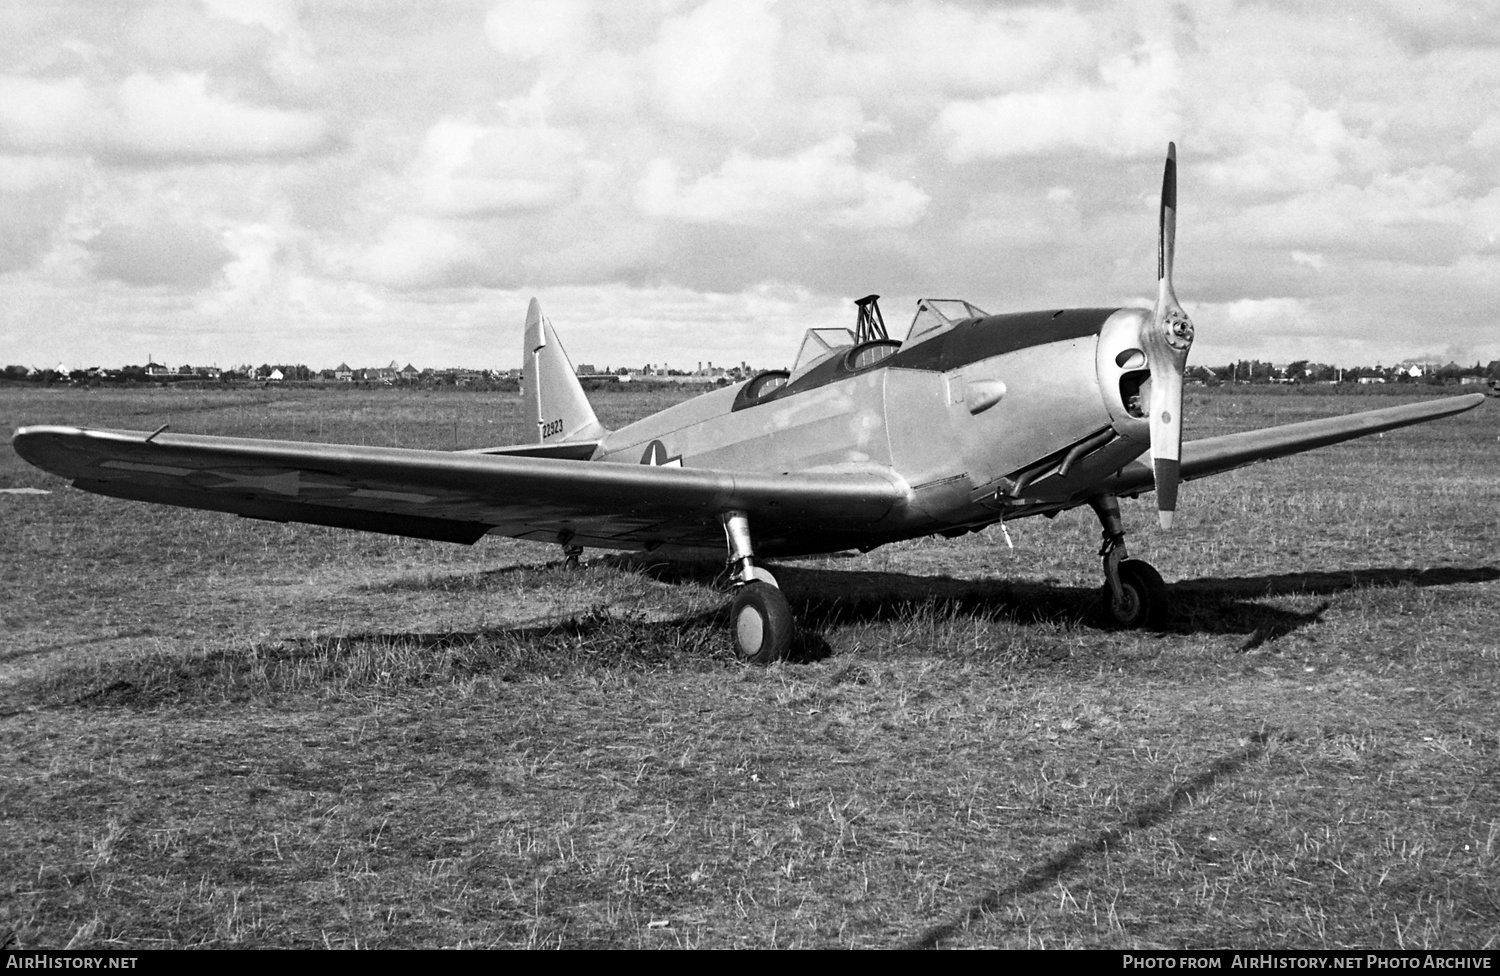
{"x":656,"y":455}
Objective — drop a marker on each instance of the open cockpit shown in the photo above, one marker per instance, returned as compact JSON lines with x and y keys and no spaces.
{"x":828,"y":354}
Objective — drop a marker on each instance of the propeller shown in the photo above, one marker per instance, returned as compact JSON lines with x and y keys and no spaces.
{"x":1168,"y":337}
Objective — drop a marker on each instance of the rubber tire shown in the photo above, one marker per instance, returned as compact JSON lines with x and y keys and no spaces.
{"x":761,"y":623}
{"x":1145,"y":598}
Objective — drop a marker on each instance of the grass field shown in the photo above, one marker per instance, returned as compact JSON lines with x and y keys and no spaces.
{"x":220,"y":732}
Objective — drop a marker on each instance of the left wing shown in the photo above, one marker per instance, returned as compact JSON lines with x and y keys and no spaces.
{"x":458,"y":497}
{"x":1215,"y":455}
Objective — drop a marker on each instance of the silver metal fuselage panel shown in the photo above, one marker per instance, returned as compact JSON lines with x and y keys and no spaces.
{"x":919,"y":423}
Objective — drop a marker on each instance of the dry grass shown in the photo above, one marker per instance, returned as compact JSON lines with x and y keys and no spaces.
{"x":224,"y":733}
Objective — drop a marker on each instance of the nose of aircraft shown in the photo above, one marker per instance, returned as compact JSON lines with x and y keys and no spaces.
{"x":1167,"y":337}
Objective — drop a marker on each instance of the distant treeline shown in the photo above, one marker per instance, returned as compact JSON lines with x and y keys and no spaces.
{"x":1245,"y":372}
{"x":301,"y":377}
{"x":232,"y":380}
{"x":1304,"y":371}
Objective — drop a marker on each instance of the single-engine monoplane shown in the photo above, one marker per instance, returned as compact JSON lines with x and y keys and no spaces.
{"x":971,"y":420}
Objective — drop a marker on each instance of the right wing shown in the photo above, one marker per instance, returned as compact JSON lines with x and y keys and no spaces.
{"x":1215,"y":455}
{"x":458,"y":497}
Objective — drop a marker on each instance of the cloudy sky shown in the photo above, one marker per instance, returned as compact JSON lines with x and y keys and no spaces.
{"x":223,"y":181}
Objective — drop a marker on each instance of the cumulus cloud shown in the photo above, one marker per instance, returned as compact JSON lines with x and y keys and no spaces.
{"x":34,"y":195}
{"x":46,"y":115}
{"x":717,"y":61}
{"x":257,"y":270}
{"x":182,"y":37}
{"x":1132,"y":111}
{"x":177,"y":117}
{"x":1263,"y":314}
{"x":1419,"y":215}
{"x":412,"y":252}
{"x":160,"y":254}
{"x":147,"y":118}
{"x":277,"y":15}
{"x":470,"y":170}
{"x":605,"y":85}
{"x":530,"y":31}
{"x":1273,"y":140}
{"x":821,"y":185}
{"x":676,"y":326}
{"x":1279,"y":329}
{"x":926,"y":48}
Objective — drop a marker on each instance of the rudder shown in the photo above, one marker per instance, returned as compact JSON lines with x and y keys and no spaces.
{"x":550,"y":391}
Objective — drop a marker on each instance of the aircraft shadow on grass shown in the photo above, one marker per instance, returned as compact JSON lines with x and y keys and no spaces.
{"x":1208,"y":604}
{"x":821,"y":598}
{"x":824,"y":599}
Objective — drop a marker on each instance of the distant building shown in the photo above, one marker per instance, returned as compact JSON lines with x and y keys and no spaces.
{"x":459,"y":376}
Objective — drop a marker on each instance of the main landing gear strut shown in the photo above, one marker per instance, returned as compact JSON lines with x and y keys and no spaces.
{"x":571,"y":551}
{"x":759,"y":616}
{"x":1134,"y":595}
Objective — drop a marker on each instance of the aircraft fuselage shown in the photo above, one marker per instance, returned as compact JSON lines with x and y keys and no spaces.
{"x":998,"y":417}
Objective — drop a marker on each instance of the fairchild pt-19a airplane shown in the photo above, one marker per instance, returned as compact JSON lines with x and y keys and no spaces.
{"x":973,"y":419}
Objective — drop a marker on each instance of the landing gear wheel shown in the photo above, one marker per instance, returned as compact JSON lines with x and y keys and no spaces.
{"x":762,"y":623}
{"x":1143,"y":598}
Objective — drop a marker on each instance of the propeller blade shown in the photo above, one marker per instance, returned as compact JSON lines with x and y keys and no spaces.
{"x":1169,"y":336}
{"x":1166,"y":229}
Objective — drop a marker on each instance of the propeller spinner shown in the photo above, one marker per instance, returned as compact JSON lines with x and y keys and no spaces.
{"x":1168,"y":336}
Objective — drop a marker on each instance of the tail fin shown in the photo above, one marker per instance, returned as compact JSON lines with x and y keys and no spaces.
{"x":550,"y":391}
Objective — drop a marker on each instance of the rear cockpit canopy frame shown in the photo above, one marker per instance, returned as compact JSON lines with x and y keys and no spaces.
{"x":818,"y":345}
